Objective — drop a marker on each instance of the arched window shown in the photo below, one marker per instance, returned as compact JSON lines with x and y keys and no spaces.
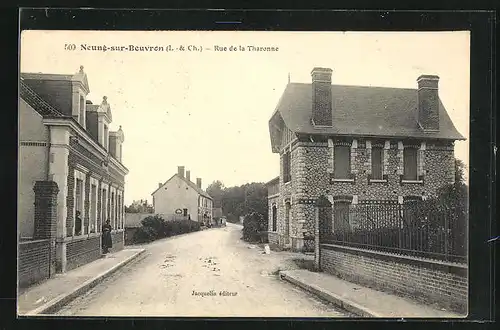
{"x":274,"y":217}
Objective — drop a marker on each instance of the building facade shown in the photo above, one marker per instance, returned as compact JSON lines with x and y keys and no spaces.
{"x":179,"y":198}
{"x":354,"y":144}
{"x":66,"y":149}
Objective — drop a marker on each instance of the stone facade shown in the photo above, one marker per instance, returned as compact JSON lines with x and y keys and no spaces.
{"x":312,"y":176}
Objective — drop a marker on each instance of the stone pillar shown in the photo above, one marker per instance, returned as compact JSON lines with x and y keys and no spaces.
{"x":317,"y":264}
{"x":46,"y":217}
{"x":321,"y":227}
{"x":400,"y":158}
{"x":58,"y":172}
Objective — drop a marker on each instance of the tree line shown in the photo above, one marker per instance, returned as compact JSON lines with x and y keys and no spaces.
{"x":239,"y":200}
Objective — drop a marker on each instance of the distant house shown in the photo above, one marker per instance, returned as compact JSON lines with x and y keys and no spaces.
{"x":70,"y":164}
{"x":354,"y":144}
{"x":179,"y":198}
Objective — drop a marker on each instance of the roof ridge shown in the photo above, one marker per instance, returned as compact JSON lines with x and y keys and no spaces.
{"x":363,"y":86}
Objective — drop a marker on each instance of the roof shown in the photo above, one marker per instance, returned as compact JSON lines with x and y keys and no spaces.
{"x":36,"y":102}
{"x":191,"y":184}
{"x":80,"y":76}
{"x":273,"y":181}
{"x":361,"y":110}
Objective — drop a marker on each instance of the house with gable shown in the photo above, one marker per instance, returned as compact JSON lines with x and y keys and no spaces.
{"x":180,"y":198}
{"x":354,"y":144}
{"x":70,"y":163}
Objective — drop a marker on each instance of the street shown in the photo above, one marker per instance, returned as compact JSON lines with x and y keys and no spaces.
{"x":211,"y":273}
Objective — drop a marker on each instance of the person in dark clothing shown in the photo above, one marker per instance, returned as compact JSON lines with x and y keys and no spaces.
{"x":78,"y":224}
{"x":106,"y":237}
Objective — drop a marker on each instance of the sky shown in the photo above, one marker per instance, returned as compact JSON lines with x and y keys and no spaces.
{"x":208,"y":110}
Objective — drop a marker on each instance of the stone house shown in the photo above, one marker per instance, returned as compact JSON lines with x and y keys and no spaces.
{"x":69,"y":162}
{"x":180,"y":198}
{"x":354,"y":144}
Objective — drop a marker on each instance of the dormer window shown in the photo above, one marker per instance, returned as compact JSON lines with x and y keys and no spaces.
{"x":79,"y":90}
{"x":81,"y":115}
{"x":106,"y":137}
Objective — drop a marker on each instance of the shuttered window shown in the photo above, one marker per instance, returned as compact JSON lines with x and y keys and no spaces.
{"x":410,"y":164}
{"x":286,"y":167}
{"x":377,"y":163}
{"x":342,"y":162}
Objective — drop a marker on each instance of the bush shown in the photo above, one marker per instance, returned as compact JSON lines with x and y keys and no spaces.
{"x":144,"y":234}
{"x":155,"y":227}
{"x":156,"y":223}
{"x":253,"y":227}
{"x":177,"y":227}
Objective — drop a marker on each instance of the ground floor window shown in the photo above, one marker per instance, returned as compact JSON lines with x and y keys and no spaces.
{"x":79,"y":195}
{"x":274,"y":217}
{"x":93,"y":208}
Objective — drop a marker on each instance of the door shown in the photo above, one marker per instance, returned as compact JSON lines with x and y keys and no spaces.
{"x":287,"y":224}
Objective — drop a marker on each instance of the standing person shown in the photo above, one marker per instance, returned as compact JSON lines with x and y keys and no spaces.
{"x":78,"y":224}
{"x":106,"y":237}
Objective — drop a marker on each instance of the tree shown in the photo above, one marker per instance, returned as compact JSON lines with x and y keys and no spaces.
{"x":216,"y":191}
{"x":239,"y":201}
{"x":139,"y":206}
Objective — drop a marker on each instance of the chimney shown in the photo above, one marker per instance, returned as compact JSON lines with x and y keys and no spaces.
{"x":188,"y":175}
{"x":180,"y":171}
{"x":322,"y":96}
{"x":160,"y":184}
{"x":428,"y":102}
{"x":198,"y":182}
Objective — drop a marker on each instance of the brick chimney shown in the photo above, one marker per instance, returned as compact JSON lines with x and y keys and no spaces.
{"x":160,"y":184}
{"x":428,"y":102}
{"x":322,"y":96}
{"x":188,"y":175}
{"x":180,"y":171}
{"x":198,"y":182}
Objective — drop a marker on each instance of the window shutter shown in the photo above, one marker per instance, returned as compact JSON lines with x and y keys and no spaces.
{"x":376,"y":163}
{"x":410,"y":163}
{"x":342,"y":162}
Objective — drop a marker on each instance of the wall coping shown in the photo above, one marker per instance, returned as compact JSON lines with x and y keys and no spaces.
{"x":34,"y":241}
{"x":447,"y":267}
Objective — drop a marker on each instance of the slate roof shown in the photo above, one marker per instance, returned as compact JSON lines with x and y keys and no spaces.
{"x":79,"y":76}
{"x":191,"y":184}
{"x":36,"y":102}
{"x":361,"y":110}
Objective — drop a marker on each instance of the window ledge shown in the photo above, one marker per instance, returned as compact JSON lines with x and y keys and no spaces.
{"x":288,"y":182}
{"x":412,"y":181}
{"x":378,"y":180}
{"x":342,"y":180}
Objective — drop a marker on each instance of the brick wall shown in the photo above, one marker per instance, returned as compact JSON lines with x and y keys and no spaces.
{"x":82,"y":251}
{"x":118,"y":239}
{"x":129,"y":235}
{"x":34,"y":261}
{"x":431,"y":282}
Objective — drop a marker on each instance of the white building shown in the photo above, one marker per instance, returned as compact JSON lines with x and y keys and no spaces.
{"x":180,"y":198}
